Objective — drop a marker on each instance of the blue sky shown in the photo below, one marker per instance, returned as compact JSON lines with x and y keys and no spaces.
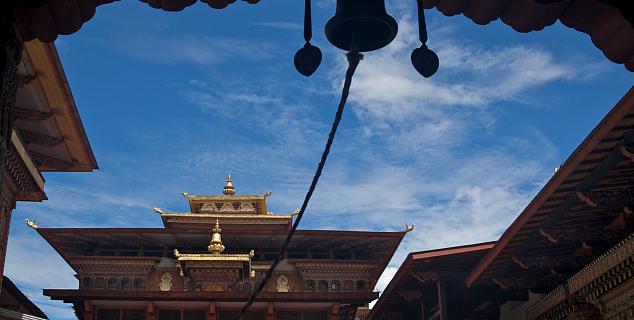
{"x":173,"y":102}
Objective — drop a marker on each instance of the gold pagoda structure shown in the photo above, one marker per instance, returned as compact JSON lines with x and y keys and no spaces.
{"x":205,"y":264}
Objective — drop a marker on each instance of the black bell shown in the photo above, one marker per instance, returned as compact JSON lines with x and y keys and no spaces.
{"x":363,"y":24}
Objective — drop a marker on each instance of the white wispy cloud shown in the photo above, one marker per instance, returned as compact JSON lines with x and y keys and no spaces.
{"x":280,"y":25}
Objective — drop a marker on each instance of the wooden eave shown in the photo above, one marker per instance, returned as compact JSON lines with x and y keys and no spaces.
{"x":71,"y":242}
{"x":47,"y":119}
{"x":227,"y":220}
{"x":601,"y":20}
{"x":596,"y":164}
{"x":8,"y":287}
{"x":609,"y":31}
{"x":73,"y":295}
{"x":435,"y":261}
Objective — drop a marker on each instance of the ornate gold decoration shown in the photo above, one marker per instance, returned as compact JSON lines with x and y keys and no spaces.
{"x":295,"y":212}
{"x":215,"y":245}
{"x":166,"y":282}
{"x":282,"y":283}
{"x":159,"y":210}
{"x":213,"y":269}
{"x":185,"y":194}
{"x":409,"y":228}
{"x":31,"y":224}
{"x":229,"y":190}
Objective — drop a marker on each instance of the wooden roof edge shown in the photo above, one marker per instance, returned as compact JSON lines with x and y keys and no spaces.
{"x":453,"y":250}
{"x":616,"y":114}
{"x":380,"y":304}
{"x":374,"y":234}
{"x":73,"y":107}
{"x":412,"y":257}
{"x":10,"y":287}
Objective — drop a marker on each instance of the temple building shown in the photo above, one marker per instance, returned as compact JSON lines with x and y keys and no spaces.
{"x":205,"y":264}
{"x":568,"y":255}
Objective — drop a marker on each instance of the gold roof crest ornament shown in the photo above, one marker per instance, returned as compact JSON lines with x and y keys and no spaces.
{"x":215,"y":245}
{"x":229,"y":190}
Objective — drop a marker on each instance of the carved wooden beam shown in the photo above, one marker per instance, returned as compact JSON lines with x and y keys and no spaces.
{"x":25,"y":79}
{"x":40,"y":139}
{"x":45,"y":160}
{"x":533,"y":282}
{"x":563,"y":235}
{"x":619,"y":198}
{"x":425,"y":276}
{"x":598,"y":172}
{"x":31,"y":115}
{"x":410,"y":295}
{"x":549,"y":262}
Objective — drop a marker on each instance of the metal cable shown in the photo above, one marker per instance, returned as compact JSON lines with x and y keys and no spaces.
{"x":353,"y":61}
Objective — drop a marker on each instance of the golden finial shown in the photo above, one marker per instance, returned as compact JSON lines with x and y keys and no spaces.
{"x":267,"y":194}
{"x":229,"y":190}
{"x":158,"y":210}
{"x":295,"y":212}
{"x":31,"y":224}
{"x":409,"y":228}
{"x":215,"y":245}
{"x":185,"y":194}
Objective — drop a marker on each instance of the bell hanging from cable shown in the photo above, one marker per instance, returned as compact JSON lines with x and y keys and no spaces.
{"x":424,"y":60}
{"x":308,"y":58}
{"x":362,"y":24}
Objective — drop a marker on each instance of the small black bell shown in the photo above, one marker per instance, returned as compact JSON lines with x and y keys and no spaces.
{"x":363,"y":24}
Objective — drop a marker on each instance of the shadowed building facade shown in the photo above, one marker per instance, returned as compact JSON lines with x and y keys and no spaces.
{"x":568,"y":255}
{"x":205,"y":264}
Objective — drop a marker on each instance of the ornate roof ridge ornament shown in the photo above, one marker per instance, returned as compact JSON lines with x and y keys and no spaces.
{"x":159,"y":210}
{"x":215,"y":245}
{"x":409,"y":227}
{"x":229,"y":190}
{"x":31,"y":224}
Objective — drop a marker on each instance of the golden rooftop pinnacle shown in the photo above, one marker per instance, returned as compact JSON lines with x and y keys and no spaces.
{"x":215,"y":245}
{"x":229,"y":190}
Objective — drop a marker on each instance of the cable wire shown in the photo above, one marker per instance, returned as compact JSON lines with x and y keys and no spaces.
{"x":353,"y":61}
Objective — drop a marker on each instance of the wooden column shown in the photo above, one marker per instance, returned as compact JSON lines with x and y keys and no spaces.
{"x":442,"y":299}
{"x":88,"y":311}
{"x":422,"y":309}
{"x":334,"y":312}
{"x":270,"y":312}
{"x":10,"y":56}
{"x":149,"y":311}
{"x":211,"y":314}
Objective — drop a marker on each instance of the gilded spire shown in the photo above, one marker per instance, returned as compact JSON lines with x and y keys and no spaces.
{"x":215,"y":245}
{"x":229,"y":190}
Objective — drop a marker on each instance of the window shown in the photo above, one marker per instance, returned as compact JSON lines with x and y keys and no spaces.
{"x":193,"y":315}
{"x":323,"y":285}
{"x":108,"y":314}
{"x":87,"y":283}
{"x":169,"y":314}
{"x":335,"y":286}
{"x":310,"y":285}
{"x":113,"y":283}
{"x":139,"y":283}
{"x":288,"y":315}
{"x":134,"y":314}
{"x":315,"y":315}
{"x":348,"y":285}
{"x":126,"y":283}
{"x":100,"y":283}
{"x":360,"y":285}
{"x":228,"y":314}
